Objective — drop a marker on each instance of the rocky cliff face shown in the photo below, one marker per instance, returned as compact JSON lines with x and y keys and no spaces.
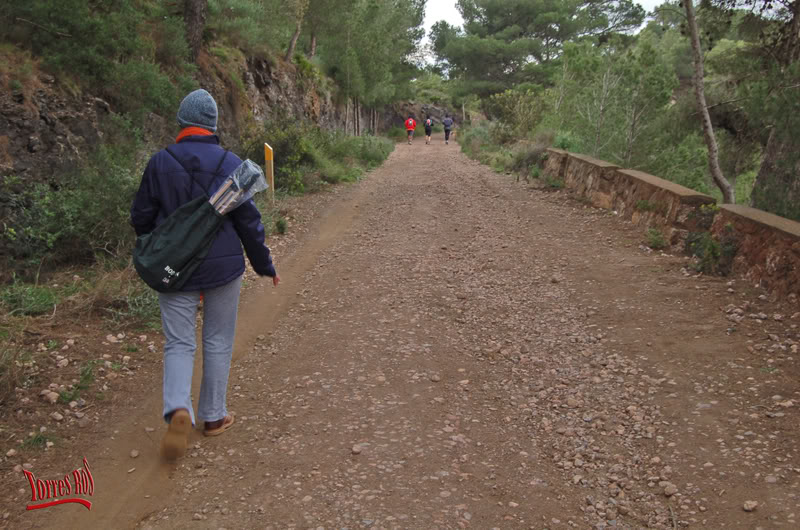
{"x":44,"y":131}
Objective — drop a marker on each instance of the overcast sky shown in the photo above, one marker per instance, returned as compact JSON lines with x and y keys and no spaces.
{"x":437,"y":10}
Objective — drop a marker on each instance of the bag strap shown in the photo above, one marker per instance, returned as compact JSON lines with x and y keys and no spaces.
{"x":191,"y":172}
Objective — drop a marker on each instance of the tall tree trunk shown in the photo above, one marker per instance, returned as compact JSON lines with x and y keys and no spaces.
{"x":347,"y":116}
{"x":313,"y":44}
{"x":777,"y":185}
{"x":728,"y":195}
{"x":194,"y":16}
{"x":293,"y":42}
{"x":358,"y":118}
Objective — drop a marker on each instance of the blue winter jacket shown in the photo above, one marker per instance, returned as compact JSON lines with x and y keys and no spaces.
{"x":166,"y":186}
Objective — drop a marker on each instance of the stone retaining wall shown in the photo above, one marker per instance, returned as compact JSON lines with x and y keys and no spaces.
{"x":643,"y":199}
{"x":768,"y":252}
{"x":768,"y":247}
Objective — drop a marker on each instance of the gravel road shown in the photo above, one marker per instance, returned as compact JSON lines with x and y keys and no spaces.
{"x":457,"y":350}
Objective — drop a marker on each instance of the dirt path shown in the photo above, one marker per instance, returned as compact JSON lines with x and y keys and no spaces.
{"x":454,"y":350}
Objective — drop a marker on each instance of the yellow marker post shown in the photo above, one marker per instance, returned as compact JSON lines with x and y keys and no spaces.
{"x":269,"y":157}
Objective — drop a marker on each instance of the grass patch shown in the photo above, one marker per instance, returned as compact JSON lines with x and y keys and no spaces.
{"x":37,"y":441}
{"x":30,"y":300}
{"x":10,"y":372}
{"x":281,"y":225}
{"x":86,"y":379}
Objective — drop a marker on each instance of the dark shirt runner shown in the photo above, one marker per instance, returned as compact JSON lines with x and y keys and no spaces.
{"x":448,"y":124}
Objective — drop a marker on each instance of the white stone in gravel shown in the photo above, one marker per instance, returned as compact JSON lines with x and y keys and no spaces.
{"x":134,"y":453}
{"x":57,"y":416}
{"x":771,"y":479}
{"x":670,"y":490}
{"x":356,"y":450}
{"x":750,"y":506}
{"x":11,"y":453}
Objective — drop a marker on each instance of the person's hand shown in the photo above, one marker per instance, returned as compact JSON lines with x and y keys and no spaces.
{"x":276,"y":280}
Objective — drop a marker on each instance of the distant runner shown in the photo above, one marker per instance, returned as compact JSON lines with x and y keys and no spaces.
{"x":448,"y":124}
{"x":428,"y":130}
{"x":411,"y":124}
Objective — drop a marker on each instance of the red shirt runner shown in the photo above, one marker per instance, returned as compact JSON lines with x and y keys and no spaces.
{"x":411,"y":124}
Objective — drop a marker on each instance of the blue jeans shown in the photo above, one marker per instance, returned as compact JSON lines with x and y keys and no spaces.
{"x":178,"y":317}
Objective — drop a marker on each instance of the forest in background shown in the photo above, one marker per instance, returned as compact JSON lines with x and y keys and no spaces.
{"x":609,"y":80}
{"x":143,"y":56}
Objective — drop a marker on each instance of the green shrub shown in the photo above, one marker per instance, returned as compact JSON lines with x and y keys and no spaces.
{"x":83,"y":215}
{"x":396,"y":133}
{"x":567,"y":141}
{"x":553,"y":182}
{"x":501,"y":134}
{"x":655,"y":239}
{"x":281,"y":225}
{"x":527,"y":155}
{"x":115,"y":48}
{"x":302,"y":150}
{"x":474,"y":138}
{"x":139,"y":87}
{"x":744,"y":187}
{"x":254,"y":26}
{"x":713,"y":257}
{"x":644,"y":205}
{"x":500,"y":160}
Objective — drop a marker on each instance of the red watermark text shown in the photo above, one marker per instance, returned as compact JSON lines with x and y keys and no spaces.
{"x":79,"y":483}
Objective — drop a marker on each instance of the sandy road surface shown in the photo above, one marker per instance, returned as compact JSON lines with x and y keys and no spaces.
{"x":454,"y":350}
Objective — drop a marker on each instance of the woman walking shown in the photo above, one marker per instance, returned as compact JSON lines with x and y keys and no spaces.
{"x":195,"y":166}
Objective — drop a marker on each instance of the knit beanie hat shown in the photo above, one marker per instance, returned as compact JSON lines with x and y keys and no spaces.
{"x":198,"y":109}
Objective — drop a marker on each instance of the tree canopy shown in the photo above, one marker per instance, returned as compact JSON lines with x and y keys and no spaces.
{"x":508,"y":42}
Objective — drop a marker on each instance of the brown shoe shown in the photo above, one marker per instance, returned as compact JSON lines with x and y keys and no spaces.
{"x":175,"y":440}
{"x":215,"y":428}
